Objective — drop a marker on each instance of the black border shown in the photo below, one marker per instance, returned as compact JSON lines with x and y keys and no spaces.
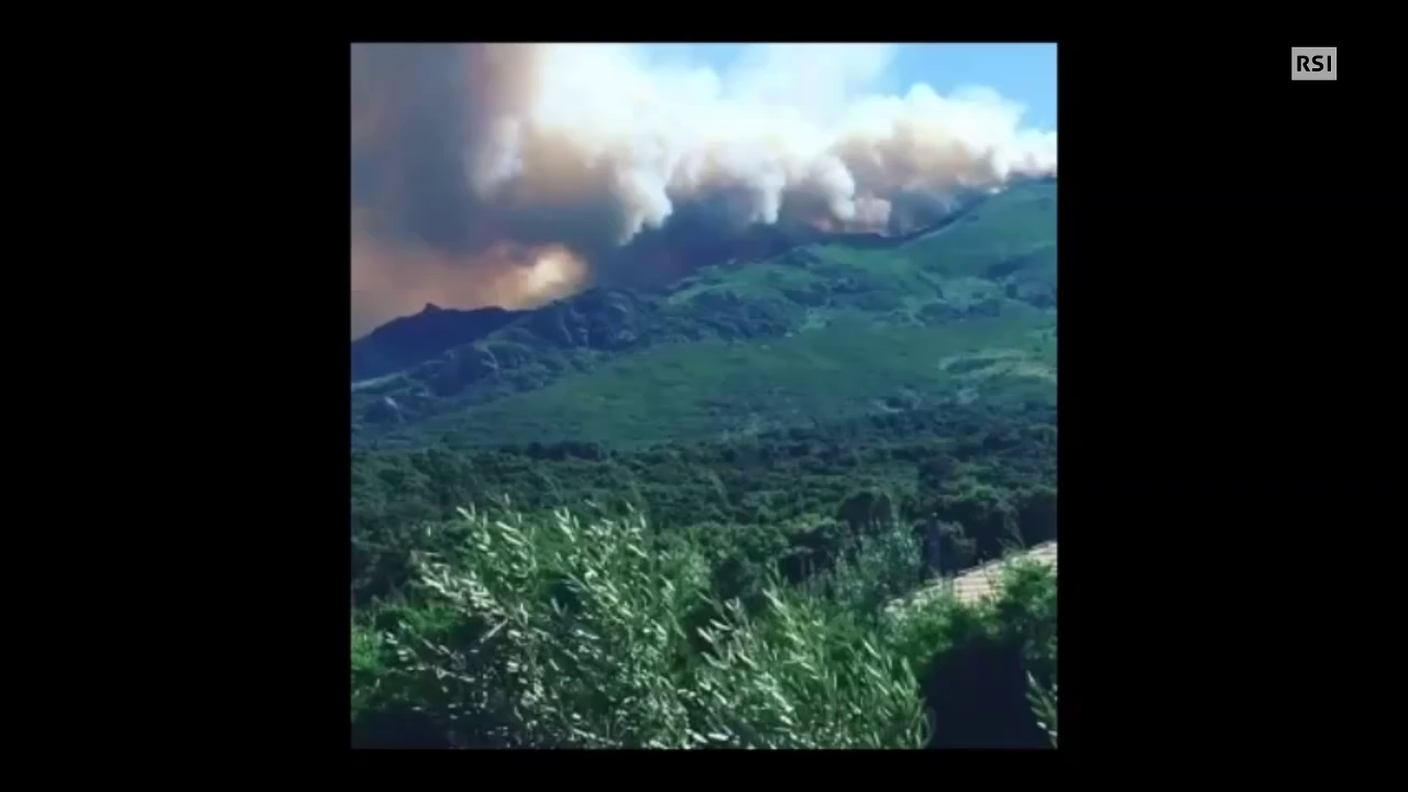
{"x":1218,"y":339}
{"x":1205,"y":288}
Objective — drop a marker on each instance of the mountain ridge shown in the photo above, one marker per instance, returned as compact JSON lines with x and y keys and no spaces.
{"x":987,"y":273}
{"x":407,"y":340}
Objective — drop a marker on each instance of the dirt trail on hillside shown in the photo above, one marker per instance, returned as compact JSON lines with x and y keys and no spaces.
{"x":980,"y":582}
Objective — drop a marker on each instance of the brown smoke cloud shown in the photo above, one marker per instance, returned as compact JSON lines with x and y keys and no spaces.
{"x":396,"y":279}
{"x":502,"y":174}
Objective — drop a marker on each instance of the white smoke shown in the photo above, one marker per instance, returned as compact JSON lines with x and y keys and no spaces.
{"x":791,"y":121}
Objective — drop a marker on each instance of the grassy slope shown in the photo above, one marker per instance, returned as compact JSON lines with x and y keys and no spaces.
{"x":1007,"y":226}
{"x":718,"y":388}
{"x":824,"y":332}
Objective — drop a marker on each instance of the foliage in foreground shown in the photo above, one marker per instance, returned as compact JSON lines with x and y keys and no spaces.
{"x":552,"y":631}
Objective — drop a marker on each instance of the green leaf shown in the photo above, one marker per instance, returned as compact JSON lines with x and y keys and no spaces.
{"x":871,"y":649}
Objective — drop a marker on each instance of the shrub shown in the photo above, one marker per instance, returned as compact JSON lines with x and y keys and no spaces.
{"x":989,"y":668}
{"x":559,"y":632}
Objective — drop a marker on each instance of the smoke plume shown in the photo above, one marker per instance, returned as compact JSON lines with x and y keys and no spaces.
{"x":505,"y":173}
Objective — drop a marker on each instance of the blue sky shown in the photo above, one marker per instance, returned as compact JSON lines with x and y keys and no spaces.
{"x":1025,"y":73}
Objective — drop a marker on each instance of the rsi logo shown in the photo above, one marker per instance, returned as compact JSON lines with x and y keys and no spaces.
{"x":1315,"y":63}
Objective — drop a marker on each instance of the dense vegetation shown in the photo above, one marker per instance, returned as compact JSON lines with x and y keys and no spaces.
{"x":683,"y":519}
{"x":965,"y":480}
{"x":554,"y":631}
{"x":832,"y":522}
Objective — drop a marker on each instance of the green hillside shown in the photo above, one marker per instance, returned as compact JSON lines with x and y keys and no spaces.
{"x":722,"y":389}
{"x":747,"y":347}
{"x":674,"y":519}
